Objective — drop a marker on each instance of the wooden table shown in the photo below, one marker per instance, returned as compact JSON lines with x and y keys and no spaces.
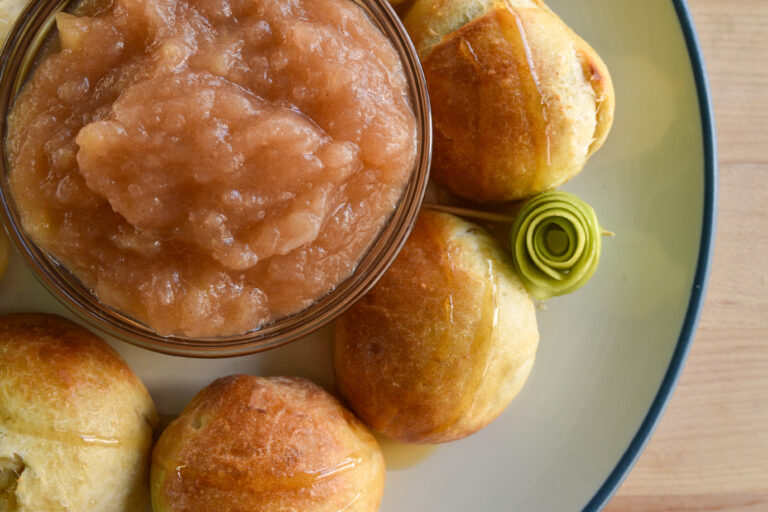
{"x":710,"y":451}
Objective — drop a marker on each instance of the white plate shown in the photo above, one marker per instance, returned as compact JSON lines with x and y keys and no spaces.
{"x":610,"y":353}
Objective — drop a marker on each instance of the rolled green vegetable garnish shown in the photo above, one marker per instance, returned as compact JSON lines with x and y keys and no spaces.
{"x":556,"y":242}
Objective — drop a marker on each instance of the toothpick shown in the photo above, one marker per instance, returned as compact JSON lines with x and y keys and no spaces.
{"x":474,"y":214}
{"x":489,"y":216}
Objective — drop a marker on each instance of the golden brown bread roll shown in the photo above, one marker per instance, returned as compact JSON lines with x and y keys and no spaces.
{"x":443,"y":342}
{"x":519,"y":101}
{"x":75,"y":422}
{"x":250,"y":443}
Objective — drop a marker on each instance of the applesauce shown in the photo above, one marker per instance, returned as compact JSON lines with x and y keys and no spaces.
{"x":208,"y":166}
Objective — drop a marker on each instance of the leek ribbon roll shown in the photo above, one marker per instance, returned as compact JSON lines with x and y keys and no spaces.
{"x":556,"y":242}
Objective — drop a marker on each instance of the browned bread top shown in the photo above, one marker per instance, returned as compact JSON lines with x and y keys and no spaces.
{"x":75,"y":422}
{"x":519,"y":101}
{"x":443,"y":342}
{"x":251,"y":443}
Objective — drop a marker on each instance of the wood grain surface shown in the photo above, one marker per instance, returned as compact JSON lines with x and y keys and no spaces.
{"x":710,"y":452}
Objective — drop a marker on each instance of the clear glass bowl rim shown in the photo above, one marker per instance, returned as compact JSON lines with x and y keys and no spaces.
{"x":32,"y":27}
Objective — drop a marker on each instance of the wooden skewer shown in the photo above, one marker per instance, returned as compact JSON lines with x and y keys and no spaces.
{"x":474,"y":214}
{"x":491,"y":217}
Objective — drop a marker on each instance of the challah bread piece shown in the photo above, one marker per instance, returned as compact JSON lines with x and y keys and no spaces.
{"x":267,"y":444}
{"x":443,"y":342}
{"x":75,"y":421}
{"x":519,"y":101}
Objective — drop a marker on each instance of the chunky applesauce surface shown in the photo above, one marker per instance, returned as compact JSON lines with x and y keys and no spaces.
{"x":208,"y":166}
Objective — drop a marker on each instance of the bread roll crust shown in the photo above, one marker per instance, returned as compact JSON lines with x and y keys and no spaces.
{"x":444,"y":341}
{"x":519,"y":101}
{"x":75,"y":421}
{"x":251,"y":443}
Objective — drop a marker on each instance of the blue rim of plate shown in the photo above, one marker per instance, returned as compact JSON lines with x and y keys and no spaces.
{"x":643,"y":435}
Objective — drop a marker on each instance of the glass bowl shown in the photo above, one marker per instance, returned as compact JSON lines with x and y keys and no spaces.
{"x":18,"y":56}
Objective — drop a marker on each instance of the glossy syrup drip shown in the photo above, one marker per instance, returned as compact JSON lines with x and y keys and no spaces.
{"x":356,"y":498}
{"x":28,"y":428}
{"x":529,"y":81}
{"x":484,"y":339}
{"x":331,"y":471}
{"x":294,"y":481}
{"x":90,"y":439}
{"x":482,"y":342}
{"x":403,"y":456}
{"x":451,"y":282}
